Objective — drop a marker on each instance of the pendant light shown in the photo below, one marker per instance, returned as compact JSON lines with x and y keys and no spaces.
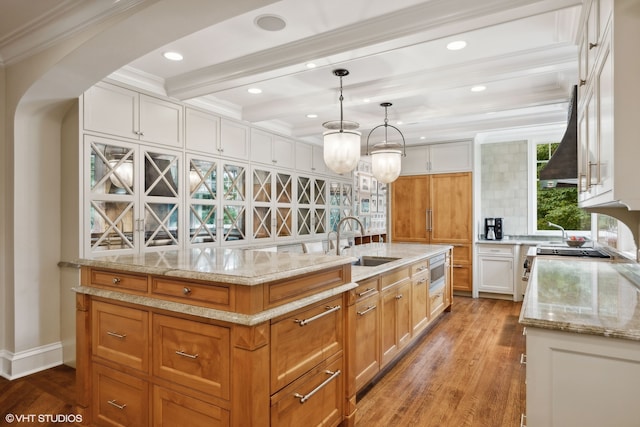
{"x":386,"y":161}
{"x":341,"y":140}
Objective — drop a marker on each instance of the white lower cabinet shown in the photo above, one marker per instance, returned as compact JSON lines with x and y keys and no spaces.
{"x":581,"y":380}
{"x":495,"y":268}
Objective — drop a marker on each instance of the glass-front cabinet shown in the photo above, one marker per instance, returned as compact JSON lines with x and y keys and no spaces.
{"x":311,"y":206}
{"x":272,"y":205}
{"x":340,"y":204}
{"x":133,"y":196}
{"x":217,"y":207}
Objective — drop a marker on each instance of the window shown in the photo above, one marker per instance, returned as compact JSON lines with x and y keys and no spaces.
{"x":558,"y":205}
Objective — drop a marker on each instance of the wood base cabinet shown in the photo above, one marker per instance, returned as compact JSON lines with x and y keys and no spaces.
{"x":437,"y":209}
{"x":141,"y":364}
{"x":393,"y":309}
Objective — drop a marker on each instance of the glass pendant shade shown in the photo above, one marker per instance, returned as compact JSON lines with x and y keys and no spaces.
{"x":341,"y":141}
{"x":341,"y":150}
{"x":123,"y":173}
{"x":386,"y":157}
{"x":386,"y":162}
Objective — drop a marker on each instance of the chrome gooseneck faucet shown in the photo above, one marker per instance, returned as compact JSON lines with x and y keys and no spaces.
{"x":564,"y":233}
{"x":338,"y":230}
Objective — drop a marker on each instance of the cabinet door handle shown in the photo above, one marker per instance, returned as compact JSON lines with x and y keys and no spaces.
{"x":422,"y":281}
{"x":116,"y":335}
{"x":592,"y":45}
{"x":304,"y":397}
{"x":422,"y":268}
{"x":399,"y":296}
{"x":186,"y":291}
{"x":115,"y":403}
{"x":303,"y":322}
{"x":365,"y":292}
{"x":368,"y":309}
{"x":523,"y":359}
{"x":523,"y":417}
{"x":457,"y":266}
{"x":429,"y":219}
{"x":116,"y":280}
{"x":190,"y":356}
{"x":583,"y":82}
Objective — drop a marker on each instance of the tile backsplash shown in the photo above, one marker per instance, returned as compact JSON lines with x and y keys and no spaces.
{"x":503,"y":185}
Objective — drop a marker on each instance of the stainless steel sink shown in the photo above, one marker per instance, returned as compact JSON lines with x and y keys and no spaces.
{"x":372,"y":261}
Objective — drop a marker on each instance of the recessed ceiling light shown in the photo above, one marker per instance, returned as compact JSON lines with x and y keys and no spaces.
{"x":254,"y":90}
{"x":366,"y":100}
{"x":311,"y":65}
{"x":312,"y":116}
{"x":457,"y":45}
{"x":172,"y":56}
{"x":478,"y":88}
{"x":423,"y":137}
{"x":270,"y":22}
{"x":398,"y":122}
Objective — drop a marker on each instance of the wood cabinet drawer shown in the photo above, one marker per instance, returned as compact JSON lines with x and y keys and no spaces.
{"x":217,"y":296}
{"x":120,"y":334}
{"x":367,"y":287}
{"x":316,"y":399}
{"x":419,"y":268}
{"x":193,"y":354}
{"x":393,"y":277}
{"x":303,"y":340}
{"x":119,"y":399}
{"x":175,"y":409}
{"x":113,"y":279}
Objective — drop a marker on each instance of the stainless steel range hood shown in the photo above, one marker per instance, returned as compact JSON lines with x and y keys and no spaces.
{"x":562,"y":168}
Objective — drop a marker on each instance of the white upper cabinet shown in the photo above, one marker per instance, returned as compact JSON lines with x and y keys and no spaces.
{"x":438,"y":158}
{"x":272,"y":149}
{"x":310,"y":158}
{"x":122,"y":112}
{"x":234,"y":140}
{"x":608,"y":109}
{"x":202,"y":131}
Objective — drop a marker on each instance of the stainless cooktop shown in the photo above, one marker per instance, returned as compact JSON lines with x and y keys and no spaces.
{"x":575,"y":252}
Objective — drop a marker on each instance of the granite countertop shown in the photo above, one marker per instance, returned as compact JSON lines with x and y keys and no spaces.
{"x":584,"y":296}
{"x":235,"y":266}
{"x":407,"y":253}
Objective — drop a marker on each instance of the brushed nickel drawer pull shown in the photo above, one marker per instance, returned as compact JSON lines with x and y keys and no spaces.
{"x":523,"y":359}
{"x":117,"y":335}
{"x":190,"y":356}
{"x":186,"y":291}
{"x":116,"y":280}
{"x":329,"y":309}
{"x":304,"y":397}
{"x":368,"y":309}
{"x":457,"y":265}
{"x":114,"y":403}
{"x":422,"y":281}
{"x":422,"y":268}
{"x":366,"y":291}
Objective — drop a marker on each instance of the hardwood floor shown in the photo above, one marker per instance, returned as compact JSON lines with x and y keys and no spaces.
{"x":465,"y":372}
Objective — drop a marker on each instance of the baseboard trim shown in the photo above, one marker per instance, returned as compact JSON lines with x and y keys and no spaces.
{"x":23,"y":363}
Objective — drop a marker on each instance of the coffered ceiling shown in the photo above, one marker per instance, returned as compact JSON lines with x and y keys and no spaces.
{"x":522,"y":51}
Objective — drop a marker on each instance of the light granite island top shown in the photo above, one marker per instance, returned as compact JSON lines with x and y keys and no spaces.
{"x":406,"y":253}
{"x":586,"y":297}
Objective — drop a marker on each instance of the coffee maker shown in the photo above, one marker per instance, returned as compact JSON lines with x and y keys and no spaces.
{"x":493,"y":228}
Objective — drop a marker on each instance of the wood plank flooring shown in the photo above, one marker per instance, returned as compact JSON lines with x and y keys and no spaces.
{"x":465,"y":372}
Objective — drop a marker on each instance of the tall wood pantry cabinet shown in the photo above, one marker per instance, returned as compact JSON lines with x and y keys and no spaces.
{"x":436,"y":209}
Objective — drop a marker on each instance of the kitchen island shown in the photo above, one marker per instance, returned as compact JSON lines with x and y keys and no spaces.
{"x":225,"y":336}
{"x":582,"y":323}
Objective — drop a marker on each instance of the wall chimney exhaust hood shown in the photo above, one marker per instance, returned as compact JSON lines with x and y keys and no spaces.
{"x":562,"y":169}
